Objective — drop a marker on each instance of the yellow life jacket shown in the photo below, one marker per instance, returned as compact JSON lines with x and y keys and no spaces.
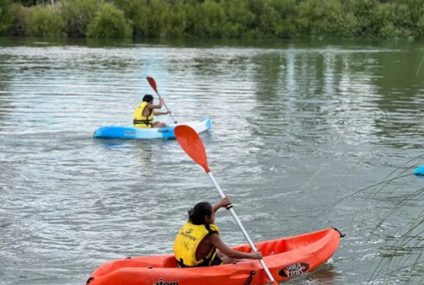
{"x":188,"y":239}
{"x":141,"y":121}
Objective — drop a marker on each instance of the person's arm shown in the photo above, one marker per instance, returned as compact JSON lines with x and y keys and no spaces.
{"x":222,"y":247}
{"x":224,"y":202}
{"x":158,"y":113}
{"x":156,"y":106}
{"x":159,"y":106}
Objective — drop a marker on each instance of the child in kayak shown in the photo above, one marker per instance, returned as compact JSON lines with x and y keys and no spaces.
{"x":143,"y":114}
{"x":198,"y":243}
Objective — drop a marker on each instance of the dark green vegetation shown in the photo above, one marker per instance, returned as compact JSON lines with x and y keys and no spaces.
{"x":252,"y":19}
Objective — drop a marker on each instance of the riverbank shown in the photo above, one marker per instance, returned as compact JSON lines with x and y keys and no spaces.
{"x":229,"y":19}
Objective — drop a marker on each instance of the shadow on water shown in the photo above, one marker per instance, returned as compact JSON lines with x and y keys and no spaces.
{"x":143,"y":150}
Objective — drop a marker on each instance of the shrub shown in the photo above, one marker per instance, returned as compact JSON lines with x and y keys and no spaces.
{"x":18,"y":15}
{"x":175,"y":20}
{"x":77,"y":14}
{"x":5,"y":20}
{"x":133,"y":11}
{"x":365,"y":15}
{"x":211,"y":21}
{"x":238,"y":19}
{"x":109,"y":22}
{"x":44,"y":21}
{"x":152,"y":18}
{"x":321,"y":18}
{"x":278,"y":19}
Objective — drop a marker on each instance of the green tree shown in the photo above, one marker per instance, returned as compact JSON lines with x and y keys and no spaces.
{"x":133,"y":10}
{"x":278,"y":19}
{"x":211,"y":20}
{"x":148,"y":16}
{"x":365,"y":12}
{"x":214,"y":18}
{"x":18,"y":15}
{"x":109,"y":22}
{"x":5,"y":20}
{"x":44,"y":21}
{"x":387,"y":21}
{"x":239,"y":20}
{"x":77,"y":14}
{"x":176,"y":20}
{"x":152,"y":20}
{"x":405,"y":16}
{"x":324,"y":18}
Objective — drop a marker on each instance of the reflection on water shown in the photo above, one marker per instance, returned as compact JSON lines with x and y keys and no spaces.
{"x":305,"y":136}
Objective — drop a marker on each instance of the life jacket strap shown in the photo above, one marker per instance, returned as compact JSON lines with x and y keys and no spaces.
{"x":146,"y":122}
{"x":181,"y":264}
{"x":203,"y":262}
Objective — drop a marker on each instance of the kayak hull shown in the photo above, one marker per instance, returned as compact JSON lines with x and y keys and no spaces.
{"x":129,"y":132}
{"x":285,"y":257}
{"x":419,"y":170}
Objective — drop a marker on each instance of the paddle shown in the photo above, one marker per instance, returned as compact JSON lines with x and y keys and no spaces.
{"x":152,"y":84}
{"x":193,"y":146}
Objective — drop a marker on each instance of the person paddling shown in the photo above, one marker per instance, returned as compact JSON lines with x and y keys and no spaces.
{"x":143,"y":114}
{"x":198,"y":243}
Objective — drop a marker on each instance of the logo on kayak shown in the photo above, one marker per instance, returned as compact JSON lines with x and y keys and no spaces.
{"x":293,"y":270}
{"x":161,"y":282}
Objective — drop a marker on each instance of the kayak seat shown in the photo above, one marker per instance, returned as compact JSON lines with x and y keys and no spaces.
{"x":267,"y":248}
{"x":273,"y":247}
{"x":170,"y":262}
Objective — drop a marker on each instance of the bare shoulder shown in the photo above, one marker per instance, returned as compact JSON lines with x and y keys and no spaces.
{"x":215,"y":239}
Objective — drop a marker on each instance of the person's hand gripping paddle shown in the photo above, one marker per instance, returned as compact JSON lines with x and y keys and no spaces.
{"x":193,"y":146}
{"x":152,"y":84}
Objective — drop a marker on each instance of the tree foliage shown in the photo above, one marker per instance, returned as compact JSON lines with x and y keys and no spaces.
{"x":324,"y":18}
{"x":44,"y":21}
{"x":215,"y":18}
{"x":77,"y":14}
{"x":4,"y":13}
{"x":109,"y":22}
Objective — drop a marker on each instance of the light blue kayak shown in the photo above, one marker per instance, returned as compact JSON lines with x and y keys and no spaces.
{"x":419,"y":170}
{"x":129,"y":132}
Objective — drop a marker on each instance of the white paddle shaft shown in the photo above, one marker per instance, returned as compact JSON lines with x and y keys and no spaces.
{"x":243,"y":230}
{"x":166,"y":107}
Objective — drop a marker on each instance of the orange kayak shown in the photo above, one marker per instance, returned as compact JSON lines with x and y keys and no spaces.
{"x":286,"y":258}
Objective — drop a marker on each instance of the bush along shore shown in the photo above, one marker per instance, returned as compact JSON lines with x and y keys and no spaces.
{"x":219,"y":19}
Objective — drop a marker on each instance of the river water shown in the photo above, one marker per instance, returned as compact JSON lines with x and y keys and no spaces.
{"x":306,"y":135}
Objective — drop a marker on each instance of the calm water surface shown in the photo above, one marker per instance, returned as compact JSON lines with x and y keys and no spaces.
{"x":305,"y":136}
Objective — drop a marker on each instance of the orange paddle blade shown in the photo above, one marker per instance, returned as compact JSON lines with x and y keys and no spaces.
{"x":192,"y":145}
{"x":152,"y":83}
